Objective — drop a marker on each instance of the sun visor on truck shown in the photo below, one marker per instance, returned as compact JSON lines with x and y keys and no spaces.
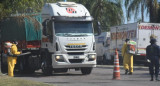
{"x":65,"y":18}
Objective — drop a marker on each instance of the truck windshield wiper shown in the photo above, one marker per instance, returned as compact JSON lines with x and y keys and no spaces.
{"x":81,"y":34}
{"x":68,"y":34}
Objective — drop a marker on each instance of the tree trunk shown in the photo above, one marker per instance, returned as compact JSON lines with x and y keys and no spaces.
{"x":142,"y":12}
{"x":151,"y":11}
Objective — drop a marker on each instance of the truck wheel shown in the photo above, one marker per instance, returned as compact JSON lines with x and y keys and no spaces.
{"x":21,"y":67}
{"x":105,"y":61}
{"x":120,"y":60}
{"x":45,"y":69}
{"x":4,"y":64}
{"x":24,"y":66}
{"x":46,"y":64}
{"x":4,"y":68}
{"x":112,"y":60}
{"x":86,"y":70}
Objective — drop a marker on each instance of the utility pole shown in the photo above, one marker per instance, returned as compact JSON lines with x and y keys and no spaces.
{"x":116,"y":37}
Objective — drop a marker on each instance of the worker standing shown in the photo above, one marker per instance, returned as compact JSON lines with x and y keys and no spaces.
{"x":127,"y":59}
{"x":12,"y":59}
{"x":153,"y":55}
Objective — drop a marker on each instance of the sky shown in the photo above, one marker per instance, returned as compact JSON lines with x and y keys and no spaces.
{"x":146,"y":17}
{"x":132,"y":20}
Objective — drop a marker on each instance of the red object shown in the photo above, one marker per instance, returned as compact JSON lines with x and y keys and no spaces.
{"x":29,"y":44}
{"x":25,"y":44}
{"x":70,"y":10}
{"x":116,"y":71}
{"x":143,"y":54}
{"x":33,"y":44}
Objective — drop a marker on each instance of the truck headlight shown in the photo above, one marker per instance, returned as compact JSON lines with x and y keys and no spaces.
{"x":59,"y":58}
{"x":91,"y":57}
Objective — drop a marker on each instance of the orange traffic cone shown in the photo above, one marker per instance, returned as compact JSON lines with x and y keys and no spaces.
{"x":116,"y":71}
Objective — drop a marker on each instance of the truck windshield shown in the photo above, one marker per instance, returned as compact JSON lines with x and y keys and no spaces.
{"x":78,"y":28}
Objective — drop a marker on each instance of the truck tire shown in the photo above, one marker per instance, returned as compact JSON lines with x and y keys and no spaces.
{"x":33,"y":62}
{"x":86,"y":70}
{"x":4,"y":65}
{"x":24,"y":66}
{"x":46,"y":64}
{"x":45,"y":69}
{"x":112,"y":60}
{"x":21,"y":67}
{"x":106,"y":61}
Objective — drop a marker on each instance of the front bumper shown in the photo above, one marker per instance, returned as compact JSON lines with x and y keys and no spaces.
{"x":73,"y":61}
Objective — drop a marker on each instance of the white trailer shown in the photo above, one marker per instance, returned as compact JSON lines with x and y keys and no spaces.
{"x":102,"y":46}
{"x":68,"y":39}
{"x":138,"y":32}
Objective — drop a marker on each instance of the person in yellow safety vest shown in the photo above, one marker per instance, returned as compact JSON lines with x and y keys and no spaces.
{"x":12,"y":60}
{"x":127,"y":59}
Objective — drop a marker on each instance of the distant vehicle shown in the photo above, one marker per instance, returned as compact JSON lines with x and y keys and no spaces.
{"x":102,"y":48}
{"x":138,"y":32}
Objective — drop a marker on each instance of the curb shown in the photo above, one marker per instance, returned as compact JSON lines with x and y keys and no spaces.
{"x":112,"y":66}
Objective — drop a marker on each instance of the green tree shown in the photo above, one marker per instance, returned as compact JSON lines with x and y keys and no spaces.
{"x":8,"y":7}
{"x":107,"y":12}
{"x":136,"y":6}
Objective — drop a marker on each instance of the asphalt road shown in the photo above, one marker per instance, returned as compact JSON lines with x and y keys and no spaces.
{"x":100,"y":76}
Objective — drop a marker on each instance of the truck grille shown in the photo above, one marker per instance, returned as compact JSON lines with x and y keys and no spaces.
{"x":75,"y":47}
{"x":75,"y":53}
{"x":75,"y":60}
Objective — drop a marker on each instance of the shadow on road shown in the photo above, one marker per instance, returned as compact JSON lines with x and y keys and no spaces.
{"x":38,"y":74}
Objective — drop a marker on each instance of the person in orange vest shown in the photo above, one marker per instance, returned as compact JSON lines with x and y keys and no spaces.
{"x":12,"y":59}
{"x":127,"y":58}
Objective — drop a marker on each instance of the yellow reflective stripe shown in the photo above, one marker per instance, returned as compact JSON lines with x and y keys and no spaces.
{"x":76,"y":44}
{"x":141,"y":49}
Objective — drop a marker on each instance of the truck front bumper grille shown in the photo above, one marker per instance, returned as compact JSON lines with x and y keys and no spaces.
{"x":76,"y":60}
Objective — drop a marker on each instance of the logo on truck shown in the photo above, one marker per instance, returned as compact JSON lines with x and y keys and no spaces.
{"x":123,"y":35}
{"x":147,"y":27}
{"x":71,"y":10}
{"x":75,"y":45}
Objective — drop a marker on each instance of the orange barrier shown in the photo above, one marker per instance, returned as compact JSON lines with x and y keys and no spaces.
{"x":116,"y":71}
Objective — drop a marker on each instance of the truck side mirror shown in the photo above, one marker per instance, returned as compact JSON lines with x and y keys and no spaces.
{"x":99,"y":28}
{"x":44,"y":24}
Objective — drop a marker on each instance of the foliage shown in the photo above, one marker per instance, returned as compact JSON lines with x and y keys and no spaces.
{"x":9,"y":7}
{"x":107,"y":12}
{"x":136,"y":6}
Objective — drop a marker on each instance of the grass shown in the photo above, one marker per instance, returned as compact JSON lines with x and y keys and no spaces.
{"x":12,"y":81}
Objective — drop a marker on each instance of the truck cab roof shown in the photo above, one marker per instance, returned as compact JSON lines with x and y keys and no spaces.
{"x":70,"y":9}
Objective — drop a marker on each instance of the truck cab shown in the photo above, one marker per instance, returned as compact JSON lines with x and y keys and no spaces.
{"x":68,"y":38}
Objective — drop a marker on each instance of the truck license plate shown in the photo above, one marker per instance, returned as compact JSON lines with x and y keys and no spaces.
{"x":76,"y":57}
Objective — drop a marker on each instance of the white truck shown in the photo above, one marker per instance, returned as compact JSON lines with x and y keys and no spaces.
{"x":138,"y":32}
{"x":102,"y":46}
{"x":68,"y":39}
